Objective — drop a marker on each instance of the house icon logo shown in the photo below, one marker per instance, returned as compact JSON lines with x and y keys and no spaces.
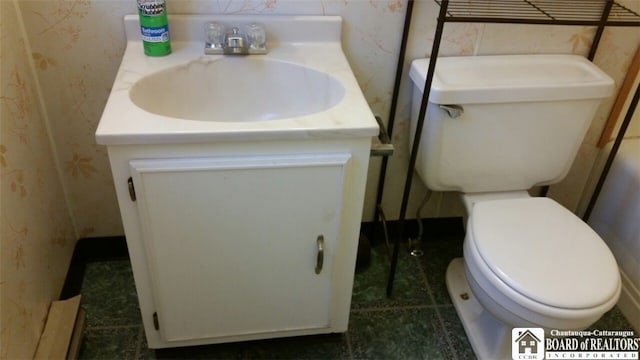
{"x":527,"y":344}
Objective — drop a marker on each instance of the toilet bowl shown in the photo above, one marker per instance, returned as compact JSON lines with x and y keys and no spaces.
{"x":527,"y":262}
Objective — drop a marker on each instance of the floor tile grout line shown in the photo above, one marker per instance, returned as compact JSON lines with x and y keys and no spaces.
{"x":141,"y":334}
{"x":349,"y":345}
{"x":398,"y":308}
{"x":447,"y":335}
{"x":111,"y":327}
{"x":443,"y":328}
{"x":425,"y":280}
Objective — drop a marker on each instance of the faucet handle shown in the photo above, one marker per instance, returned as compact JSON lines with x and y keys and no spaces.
{"x":220,"y":41}
{"x":214,"y":34}
{"x":257,"y":36}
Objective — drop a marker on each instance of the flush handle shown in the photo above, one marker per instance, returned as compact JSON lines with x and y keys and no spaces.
{"x":320,"y":256}
{"x":454,"y":111}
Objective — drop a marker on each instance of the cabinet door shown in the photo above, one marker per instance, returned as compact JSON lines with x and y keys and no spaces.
{"x":232,"y":243}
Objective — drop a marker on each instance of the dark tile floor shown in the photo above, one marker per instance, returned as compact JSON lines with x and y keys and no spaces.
{"x":418,"y":322}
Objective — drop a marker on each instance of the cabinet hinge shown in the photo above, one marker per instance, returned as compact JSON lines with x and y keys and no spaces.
{"x":156,"y":323}
{"x":132,"y":190}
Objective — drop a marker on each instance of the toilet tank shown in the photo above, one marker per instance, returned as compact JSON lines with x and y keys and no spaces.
{"x":502,"y":123}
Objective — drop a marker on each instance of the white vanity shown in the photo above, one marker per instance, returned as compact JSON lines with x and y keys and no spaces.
{"x":240,"y":181}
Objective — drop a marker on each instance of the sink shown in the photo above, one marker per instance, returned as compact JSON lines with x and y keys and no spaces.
{"x":237,"y":89}
{"x":304,"y":88}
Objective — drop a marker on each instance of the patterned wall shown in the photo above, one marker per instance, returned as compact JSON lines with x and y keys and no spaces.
{"x":76,"y":46}
{"x":36,"y":232}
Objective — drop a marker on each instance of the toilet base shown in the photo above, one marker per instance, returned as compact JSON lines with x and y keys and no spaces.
{"x":489,"y":338}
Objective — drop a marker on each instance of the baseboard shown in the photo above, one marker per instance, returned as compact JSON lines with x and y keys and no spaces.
{"x":89,"y":250}
{"x":434,"y":228}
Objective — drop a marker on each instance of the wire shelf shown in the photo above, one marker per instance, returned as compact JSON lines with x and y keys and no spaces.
{"x":553,"y":12}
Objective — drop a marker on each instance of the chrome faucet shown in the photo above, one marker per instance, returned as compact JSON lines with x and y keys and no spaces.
{"x":218,"y":41}
{"x":235,"y":41}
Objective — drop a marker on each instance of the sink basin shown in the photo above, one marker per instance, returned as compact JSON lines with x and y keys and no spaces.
{"x":303,"y":88}
{"x":237,"y":89}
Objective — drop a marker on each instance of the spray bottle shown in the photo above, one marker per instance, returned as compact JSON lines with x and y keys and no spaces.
{"x":154,"y":27}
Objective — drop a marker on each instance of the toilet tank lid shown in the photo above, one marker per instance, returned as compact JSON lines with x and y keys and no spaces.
{"x":544,"y":252}
{"x":512,"y":78}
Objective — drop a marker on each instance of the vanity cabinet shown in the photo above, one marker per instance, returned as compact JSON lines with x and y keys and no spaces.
{"x":231,"y":244}
{"x":240,"y":181}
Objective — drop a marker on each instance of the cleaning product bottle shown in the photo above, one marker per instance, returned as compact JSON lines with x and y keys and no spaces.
{"x":154,"y":27}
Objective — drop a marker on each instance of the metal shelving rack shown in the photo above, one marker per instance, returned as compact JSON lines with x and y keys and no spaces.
{"x":585,"y":12}
{"x":598,"y":13}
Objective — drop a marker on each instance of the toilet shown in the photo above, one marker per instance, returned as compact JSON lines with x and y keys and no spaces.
{"x":495,"y":127}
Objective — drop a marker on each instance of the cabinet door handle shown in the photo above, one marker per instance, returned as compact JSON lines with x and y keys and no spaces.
{"x":320,"y":256}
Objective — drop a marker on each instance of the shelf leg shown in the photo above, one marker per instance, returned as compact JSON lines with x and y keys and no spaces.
{"x":416,"y":143}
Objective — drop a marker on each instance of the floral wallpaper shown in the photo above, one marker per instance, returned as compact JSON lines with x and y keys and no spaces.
{"x":75,"y":48}
{"x":36,"y":231}
{"x":77,"y":45}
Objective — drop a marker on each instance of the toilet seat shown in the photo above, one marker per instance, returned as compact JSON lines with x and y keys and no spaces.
{"x":520,"y":244}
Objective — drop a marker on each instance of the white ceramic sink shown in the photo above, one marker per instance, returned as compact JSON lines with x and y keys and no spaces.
{"x":303,"y":88}
{"x":237,"y":88}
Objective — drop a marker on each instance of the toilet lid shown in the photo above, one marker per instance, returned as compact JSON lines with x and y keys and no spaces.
{"x":544,"y":252}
